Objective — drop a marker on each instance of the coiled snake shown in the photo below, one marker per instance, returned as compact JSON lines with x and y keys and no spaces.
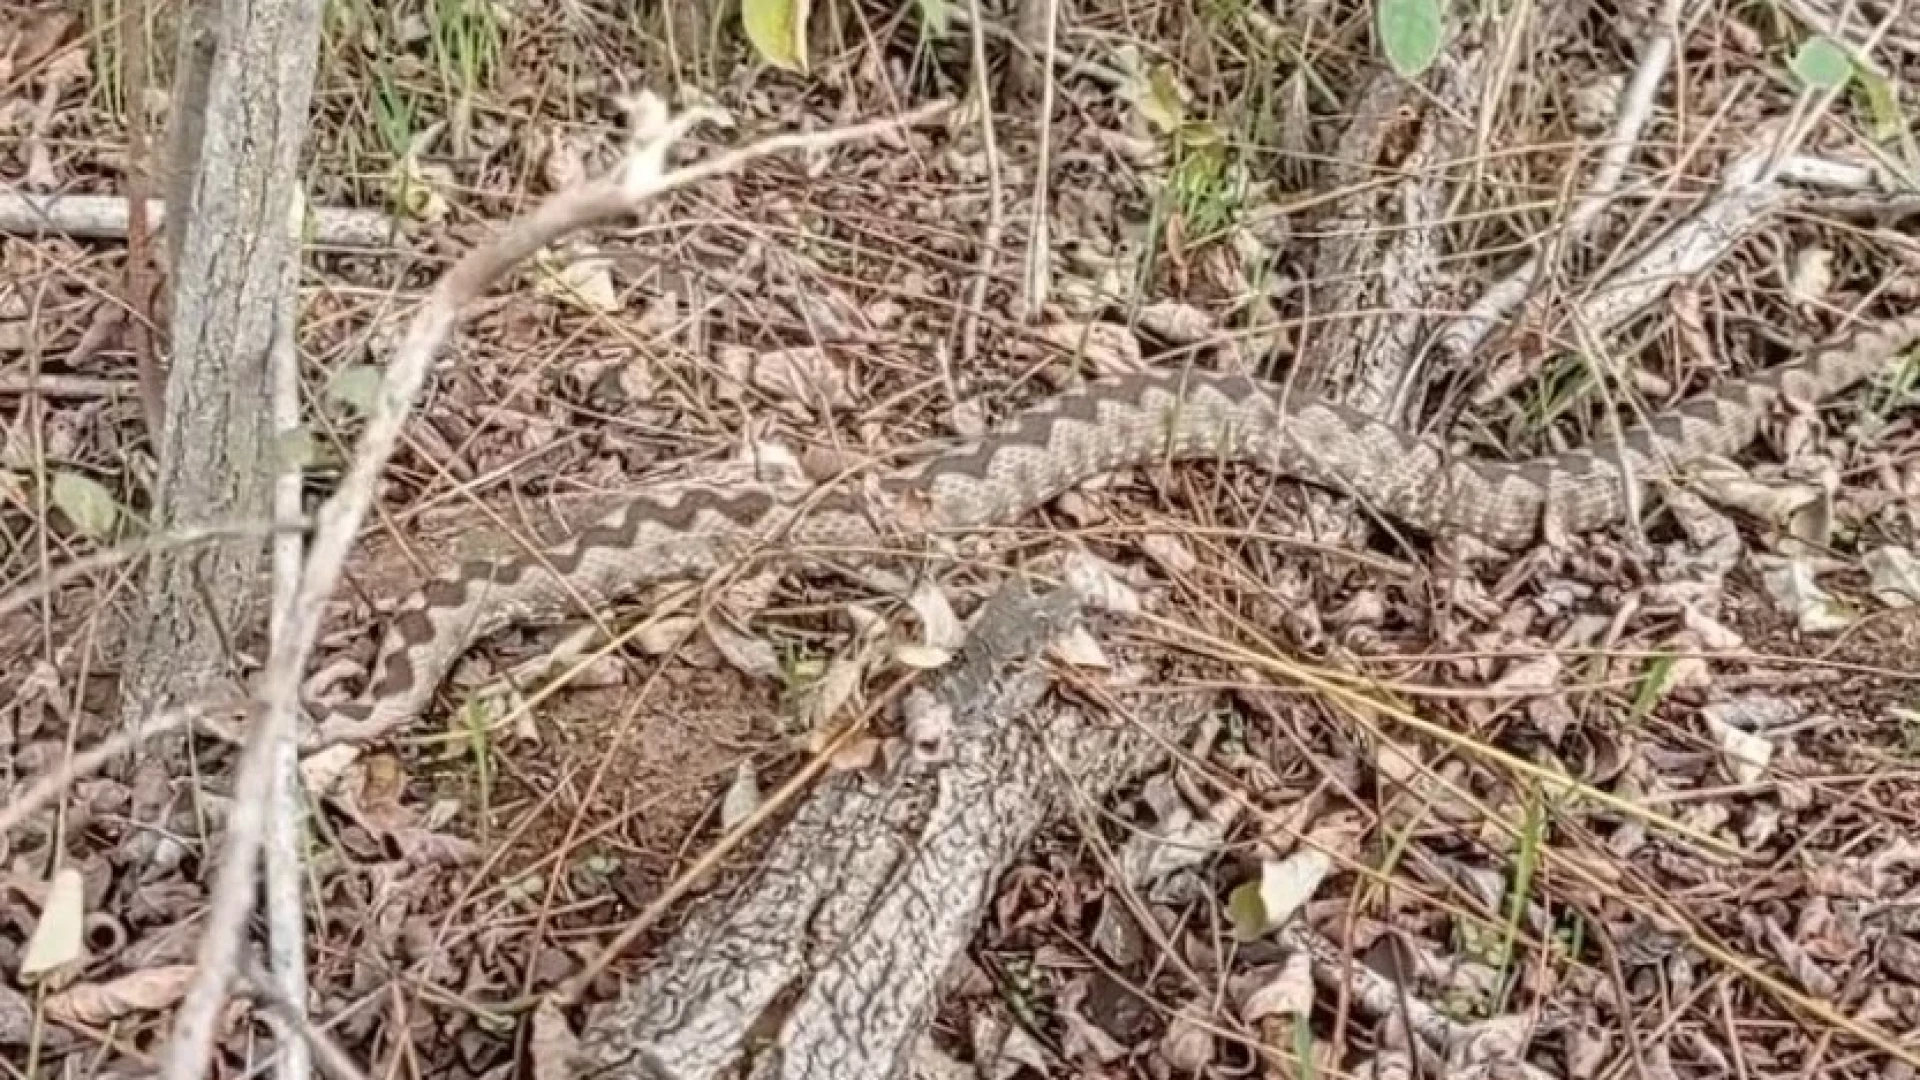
{"x":1074,"y":436}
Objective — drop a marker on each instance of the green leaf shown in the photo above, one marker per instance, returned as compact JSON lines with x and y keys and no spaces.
{"x":1247,"y":911}
{"x":1653,"y":686}
{"x":1162,"y":103}
{"x":936,"y":17}
{"x":778,"y":31}
{"x":1410,"y":32}
{"x":86,"y":503}
{"x":1883,"y":106}
{"x":356,"y":387}
{"x":1822,"y":64}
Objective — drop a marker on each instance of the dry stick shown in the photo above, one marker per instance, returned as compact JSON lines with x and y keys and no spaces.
{"x":1038,"y":276}
{"x":639,"y":178}
{"x":1743,"y":202}
{"x":990,"y":243}
{"x":66,"y":386}
{"x":106,"y":217}
{"x":286,"y":832}
{"x":1463,"y":337}
{"x":293,"y":1015}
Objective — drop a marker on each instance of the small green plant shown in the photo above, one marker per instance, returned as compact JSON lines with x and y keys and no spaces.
{"x":1565,"y":381}
{"x":393,"y":112}
{"x":468,"y":37}
{"x":1533,"y":829}
{"x":1303,"y":1046}
{"x":1895,"y":390}
{"x":1653,"y":686}
{"x":1410,"y":33}
{"x":1202,"y":185}
{"x":476,"y":723}
{"x":777,"y":30}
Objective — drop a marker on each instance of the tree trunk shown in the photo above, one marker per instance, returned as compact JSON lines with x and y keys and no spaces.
{"x":233,"y":253}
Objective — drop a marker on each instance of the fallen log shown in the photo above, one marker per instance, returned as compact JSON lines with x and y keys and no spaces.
{"x":828,"y":963}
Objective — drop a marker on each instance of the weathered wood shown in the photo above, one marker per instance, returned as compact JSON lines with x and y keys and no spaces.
{"x":233,"y":257}
{"x":829,"y":962}
{"x":1381,"y":248}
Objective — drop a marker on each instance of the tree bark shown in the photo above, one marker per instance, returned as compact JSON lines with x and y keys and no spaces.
{"x":830,"y":962}
{"x":232,"y":176}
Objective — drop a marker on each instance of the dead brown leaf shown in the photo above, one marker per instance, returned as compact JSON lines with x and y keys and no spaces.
{"x":100,"y":1004}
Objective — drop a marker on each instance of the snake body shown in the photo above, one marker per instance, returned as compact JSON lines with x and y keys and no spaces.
{"x":1102,"y":427}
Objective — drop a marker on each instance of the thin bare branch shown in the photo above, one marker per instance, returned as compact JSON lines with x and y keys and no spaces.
{"x":1036,"y":281}
{"x":286,"y":829}
{"x":105,"y":217}
{"x":990,"y":242}
{"x":1463,"y":337}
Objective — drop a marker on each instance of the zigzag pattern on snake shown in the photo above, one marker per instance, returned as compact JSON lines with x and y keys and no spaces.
{"x":1072,"y":437}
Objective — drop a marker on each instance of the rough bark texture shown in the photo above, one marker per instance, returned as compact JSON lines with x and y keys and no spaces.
{"x":187,"y":117}
{"x":231,"y":248}
{"x":1383,"y":244}
{"x":829,"y":963}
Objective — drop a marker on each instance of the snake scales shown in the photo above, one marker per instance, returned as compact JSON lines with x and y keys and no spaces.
{"x":1106,"y":426}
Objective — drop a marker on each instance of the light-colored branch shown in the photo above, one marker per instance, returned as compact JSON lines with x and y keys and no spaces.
{"x":67,"y":386}
{"x":640,"y":178}
{"x":1463,"y":337}
{"x":1036,"y":281}
{"x":104,"y":217}
{"x":286,"y":828}
{"x":996,"y":222}
{"x":1745,"y":200}
{"x":268,"y":997}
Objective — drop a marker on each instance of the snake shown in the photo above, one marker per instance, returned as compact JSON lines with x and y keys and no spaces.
{"x":1099,"y":427}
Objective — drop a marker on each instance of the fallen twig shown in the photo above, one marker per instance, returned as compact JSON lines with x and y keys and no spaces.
{"x":67,"y":386}
{"x":990,"y":241}
{"x":1037,"y":279}
{"x":1745,"y":200}
{"x":105,"y":217}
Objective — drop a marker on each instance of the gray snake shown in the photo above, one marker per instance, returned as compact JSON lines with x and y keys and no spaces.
{"x":1102,"y":427}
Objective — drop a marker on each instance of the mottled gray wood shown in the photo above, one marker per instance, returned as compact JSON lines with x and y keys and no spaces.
{"x":234,"y":265}
{"x":828,"y":963}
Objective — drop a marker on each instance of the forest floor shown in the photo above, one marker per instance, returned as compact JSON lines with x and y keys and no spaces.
{"x":1737,"y":674}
